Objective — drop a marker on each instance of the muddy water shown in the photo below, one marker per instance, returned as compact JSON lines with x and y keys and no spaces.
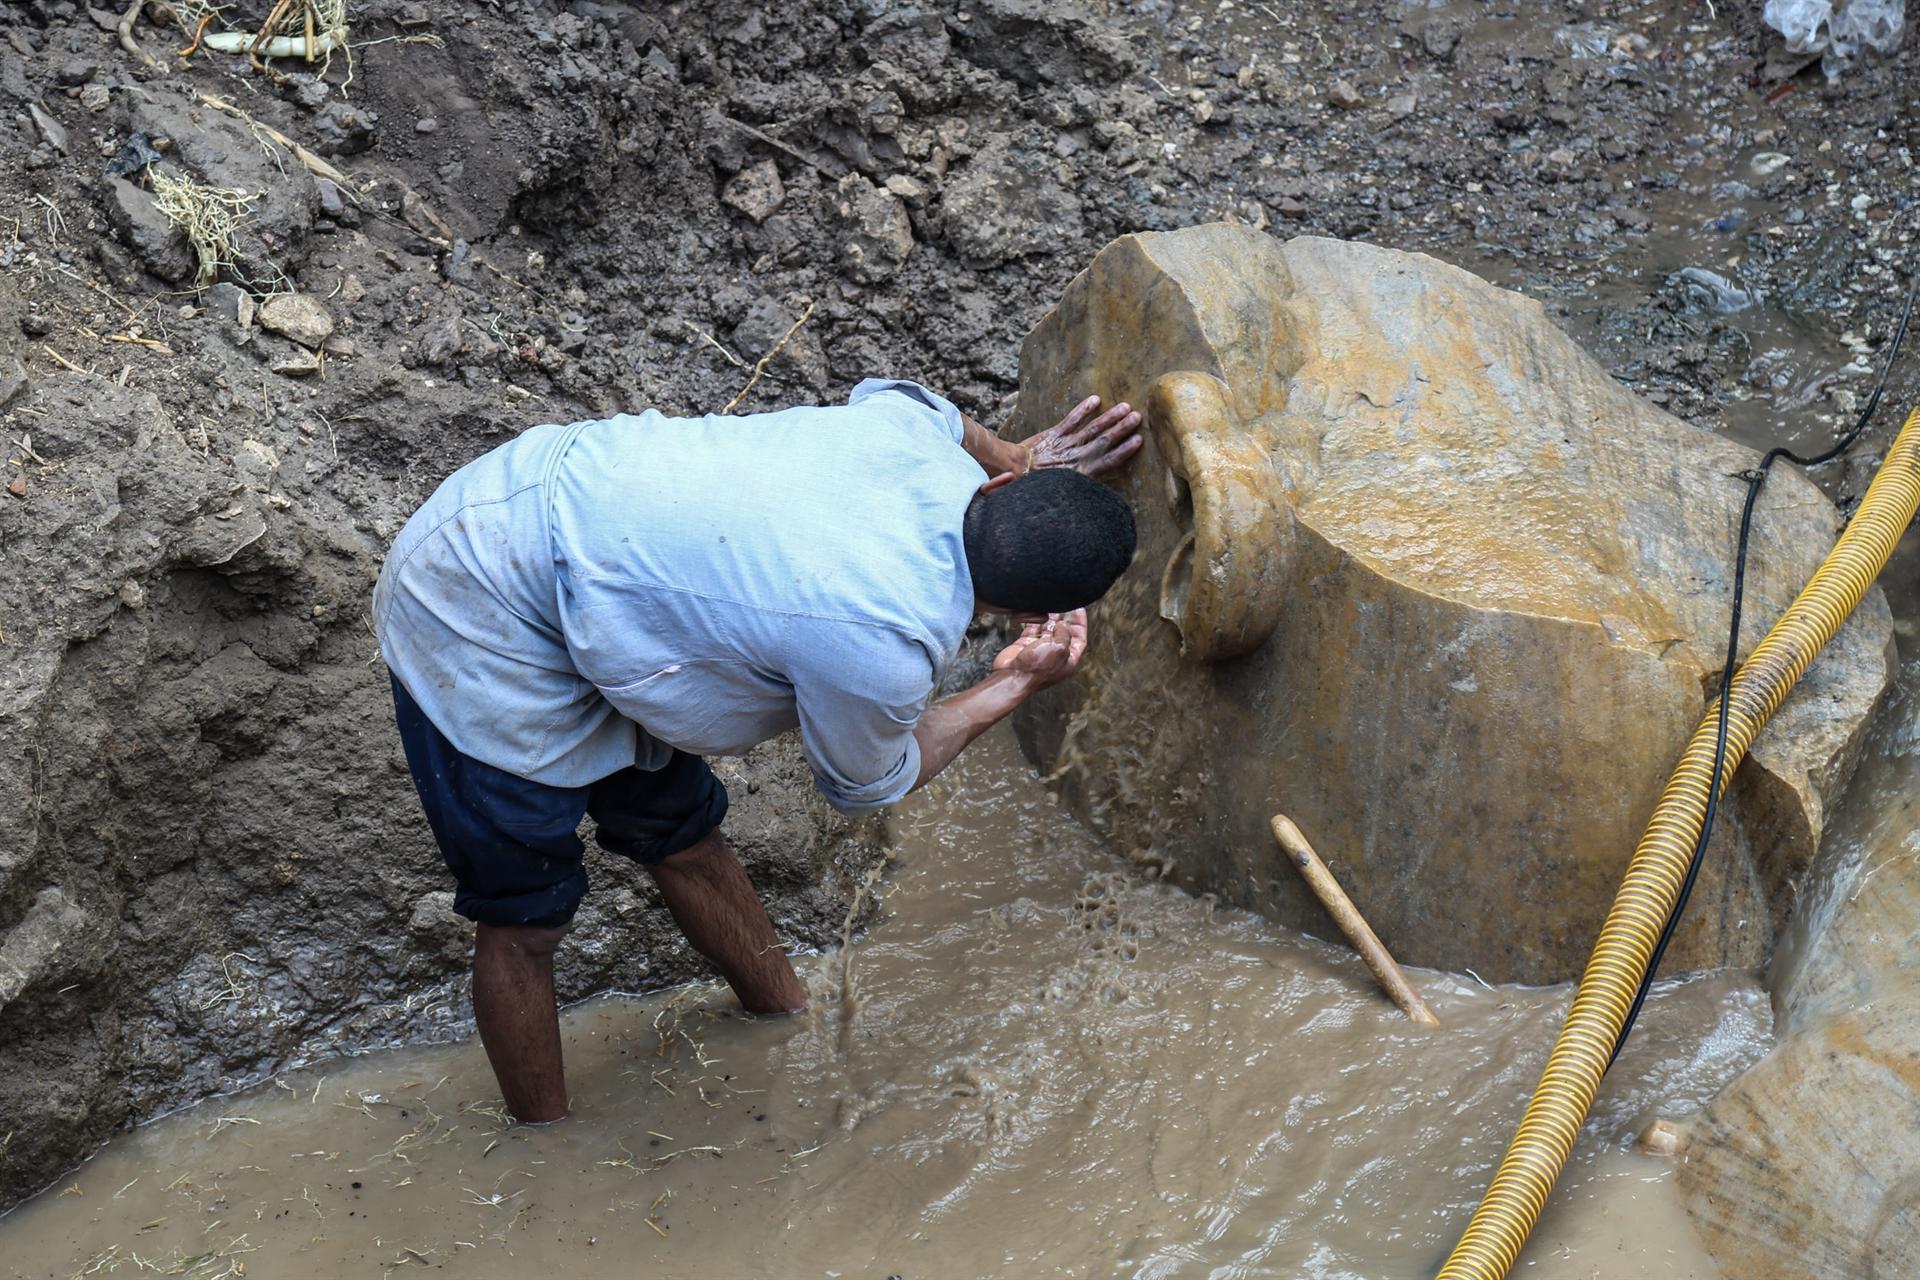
{"x":1041,"y":1063}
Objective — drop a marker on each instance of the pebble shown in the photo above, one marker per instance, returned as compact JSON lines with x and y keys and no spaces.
{"x":35,"y":325}
{"x":1401,"y":105}
{"x":231,"y":303}
{"x":457,"y":266}
{"x":75,"y":71}
{"x":308,"y":91}
{"x":96,"y":98}
{"x":18,"y":485}
{"x":427,"y":125}
{"x":50,"y":129}
{"x":297,"y":316}
{"x":909,"y":188}
{"x":330,"y":202}
{"x":755,"y":191}
{"x":1344,"y":95}
{"x":1661,"y":1138}
{"x":442,"y":343}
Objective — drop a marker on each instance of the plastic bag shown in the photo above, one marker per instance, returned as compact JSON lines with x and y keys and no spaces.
{"x":1838,"y":29}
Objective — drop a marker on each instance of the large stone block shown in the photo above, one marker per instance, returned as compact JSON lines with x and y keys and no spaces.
{"x":1808,"y":1164}
{"x":1416,"y":571}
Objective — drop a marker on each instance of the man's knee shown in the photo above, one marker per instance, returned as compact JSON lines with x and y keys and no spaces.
{"x":706,"y":851}
{"x":535,"y":942}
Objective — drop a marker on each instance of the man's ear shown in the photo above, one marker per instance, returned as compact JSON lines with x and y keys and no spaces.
{"x":1000,"y":481}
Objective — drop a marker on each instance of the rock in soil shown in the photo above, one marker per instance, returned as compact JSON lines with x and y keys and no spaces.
{"x":163,"y":249}
{"x":876,"y":236}
{"x":297,"y":316}
{"x":756,"y":191}
{"x":1007,"y":203}
{"x":231,"y":303}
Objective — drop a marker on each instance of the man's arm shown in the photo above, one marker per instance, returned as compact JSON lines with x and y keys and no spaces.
{"x":1045,"y":654}
{"x":995,"y":456}
{"x":870,"y":740}
{"x":1086,"y":440}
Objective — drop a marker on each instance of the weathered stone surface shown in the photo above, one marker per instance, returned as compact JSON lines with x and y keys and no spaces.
{"x":1417,"y":572}
{"x":1809,"y":1164}
{"x":30,"y":951}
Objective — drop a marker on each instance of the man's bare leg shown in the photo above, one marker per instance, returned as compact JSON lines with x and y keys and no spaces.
{"x":519,"y":1023}
{"x":714,"y":904}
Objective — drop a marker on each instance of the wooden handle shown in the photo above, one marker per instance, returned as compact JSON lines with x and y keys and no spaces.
{"x":1351,"y":922}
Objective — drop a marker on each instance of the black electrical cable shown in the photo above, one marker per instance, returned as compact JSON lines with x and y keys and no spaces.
{"x":1756,"y":479}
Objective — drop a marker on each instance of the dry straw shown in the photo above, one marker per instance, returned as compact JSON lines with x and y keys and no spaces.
{"x":208,"y":216}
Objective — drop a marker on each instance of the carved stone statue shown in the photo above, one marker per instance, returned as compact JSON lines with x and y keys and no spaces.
{"x":1417,"y":572}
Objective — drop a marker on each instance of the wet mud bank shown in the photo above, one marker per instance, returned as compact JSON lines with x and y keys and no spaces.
{"x":210,"y":864}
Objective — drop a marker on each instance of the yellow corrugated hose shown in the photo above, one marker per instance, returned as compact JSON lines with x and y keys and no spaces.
{"x":1620,"y":958}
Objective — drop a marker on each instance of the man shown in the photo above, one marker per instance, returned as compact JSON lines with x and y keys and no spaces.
{"x":574,"y":619}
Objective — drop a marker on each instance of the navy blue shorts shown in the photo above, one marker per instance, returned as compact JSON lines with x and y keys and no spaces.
{"x":513,"y":845}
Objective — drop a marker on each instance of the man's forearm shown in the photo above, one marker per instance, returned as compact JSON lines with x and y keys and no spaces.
{"x":950,"y":724}
{"x":995,"y":455}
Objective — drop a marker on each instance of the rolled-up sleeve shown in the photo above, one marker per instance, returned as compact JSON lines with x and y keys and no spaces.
{"x":932,"y":406}
{"x":857,"y":710}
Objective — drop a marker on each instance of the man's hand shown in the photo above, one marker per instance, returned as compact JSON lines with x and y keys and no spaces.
{"x":1091,"y":442}
{"x":1047,"y":652}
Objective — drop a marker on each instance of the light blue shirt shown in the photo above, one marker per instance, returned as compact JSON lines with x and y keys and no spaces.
{"x":588,"y":596}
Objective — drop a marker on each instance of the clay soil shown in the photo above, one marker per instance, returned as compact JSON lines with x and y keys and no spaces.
{"x":210,"y":867}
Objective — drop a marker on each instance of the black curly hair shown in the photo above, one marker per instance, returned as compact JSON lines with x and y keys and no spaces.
{"x":1049,"y":542}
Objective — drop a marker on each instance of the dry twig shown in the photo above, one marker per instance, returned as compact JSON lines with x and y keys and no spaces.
{"x":152,"y":344}
{"x":714,"y":342}
{"x":767,"y":359}
{"x":62,"y":361}
{"x":315,"y":165}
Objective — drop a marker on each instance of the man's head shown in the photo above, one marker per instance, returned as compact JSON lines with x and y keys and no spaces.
{"x":1050,"y":541}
